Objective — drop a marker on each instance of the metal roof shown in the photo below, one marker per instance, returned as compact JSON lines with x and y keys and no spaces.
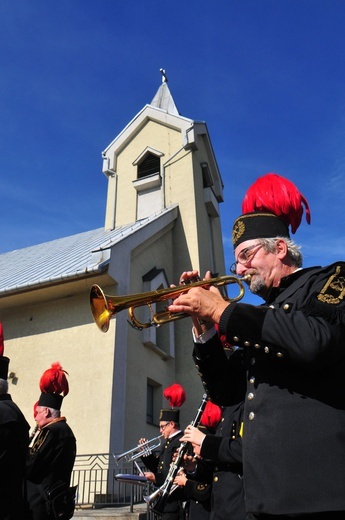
{"x":64,"y":258}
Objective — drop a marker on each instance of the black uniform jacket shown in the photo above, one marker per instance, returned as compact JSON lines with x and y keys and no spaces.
{"x":294,"y":410}
{"x":14,"y":438}
{"x":225,"y":447}
{"x":197,"y":492}
{"x":50,"y":459}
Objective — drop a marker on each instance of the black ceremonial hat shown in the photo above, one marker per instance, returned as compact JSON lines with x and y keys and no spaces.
{"x":176,"y":396}
{"x":50,"y":400}
{"x":170,"y":414}
{"x":258,"y":225}
{"x":52,"y":384}
{"x":271,"y":204}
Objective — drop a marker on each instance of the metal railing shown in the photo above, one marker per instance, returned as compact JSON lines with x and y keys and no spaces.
{"x":94,"y":475}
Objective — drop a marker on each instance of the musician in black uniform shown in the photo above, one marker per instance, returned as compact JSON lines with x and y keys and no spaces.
{"x":294,"y":346}
{"x":159,"y":464}
{"x":195,"y":479}
{"x":225,"y":447}
{"x":225,"y":450}
{"x":52,"y":451}
{"x":14,"y":438}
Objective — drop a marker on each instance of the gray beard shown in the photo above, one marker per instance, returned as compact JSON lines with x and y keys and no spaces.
{"x":258,"y":286}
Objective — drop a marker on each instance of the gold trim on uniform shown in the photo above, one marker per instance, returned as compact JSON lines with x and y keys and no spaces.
{"x":39,"y":441}
{"x":334,"y":289}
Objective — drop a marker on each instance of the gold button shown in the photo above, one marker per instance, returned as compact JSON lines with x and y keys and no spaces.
{"x":280,"y":354}
{"x":251,"y":416}
{"x":250,"y":396}
{"x":236,"y":339}
{"x":257,"y":345}
{"x":286,"y":307}
{"x":267,"y":350}
{"x":215,"y":479}
{"x":247,"y":343}
{"x":252,"y":380}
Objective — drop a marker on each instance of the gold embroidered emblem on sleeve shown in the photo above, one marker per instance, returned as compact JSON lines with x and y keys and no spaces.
{"x":333,"y":291}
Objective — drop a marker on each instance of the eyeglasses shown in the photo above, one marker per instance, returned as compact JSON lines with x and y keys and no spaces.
{"x":163,"y":426}
{"x":245,"y":256}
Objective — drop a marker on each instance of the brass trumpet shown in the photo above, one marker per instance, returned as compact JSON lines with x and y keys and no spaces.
{"x":103,"y":306}
{"x":142,"y":450}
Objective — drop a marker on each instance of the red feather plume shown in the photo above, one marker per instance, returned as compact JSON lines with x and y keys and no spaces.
{"x":54,"y":380}
{"x":175,"y":394}
{"x":277,"y":195}
{"x":211,"y":415}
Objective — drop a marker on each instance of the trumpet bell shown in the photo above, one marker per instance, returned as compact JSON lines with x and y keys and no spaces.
{"x":100,"y":308}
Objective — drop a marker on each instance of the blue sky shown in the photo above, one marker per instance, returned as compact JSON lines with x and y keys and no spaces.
{"x":267,"y":76}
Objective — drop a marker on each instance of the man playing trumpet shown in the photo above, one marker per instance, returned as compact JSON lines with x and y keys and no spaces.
{"x":158,"y":465}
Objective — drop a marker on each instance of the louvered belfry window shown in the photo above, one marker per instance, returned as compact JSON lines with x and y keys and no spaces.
{"x":149,"y":166}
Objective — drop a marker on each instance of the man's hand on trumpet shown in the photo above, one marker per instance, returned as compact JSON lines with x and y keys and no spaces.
{"x":205,"y":305}
{"x":142,"y":441}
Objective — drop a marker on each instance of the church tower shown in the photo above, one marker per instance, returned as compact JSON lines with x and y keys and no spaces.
{"x":160,"y":159}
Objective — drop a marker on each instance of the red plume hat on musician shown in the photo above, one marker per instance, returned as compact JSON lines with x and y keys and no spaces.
{"x":54,"y":386}
{"x":176,"y":396}
{"x":271,"y":205}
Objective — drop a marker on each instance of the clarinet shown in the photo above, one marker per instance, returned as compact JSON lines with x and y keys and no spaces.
{"x":158,"y":498}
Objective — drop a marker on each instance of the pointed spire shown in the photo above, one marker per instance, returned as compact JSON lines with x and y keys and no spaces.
{"x":163,"y":98}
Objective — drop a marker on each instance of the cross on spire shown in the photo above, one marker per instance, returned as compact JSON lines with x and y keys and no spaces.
{"x":164,"y":76}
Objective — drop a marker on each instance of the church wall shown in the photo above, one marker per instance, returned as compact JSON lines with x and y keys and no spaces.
{"x":63,"y":330}
{"x":143,"y":362}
